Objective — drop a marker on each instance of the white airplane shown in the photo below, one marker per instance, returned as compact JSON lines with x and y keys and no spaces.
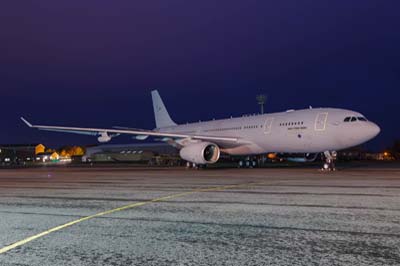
{"x":319,"y":130}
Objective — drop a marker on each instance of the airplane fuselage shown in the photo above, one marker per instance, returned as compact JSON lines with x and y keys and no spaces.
{"x":301,"y":131}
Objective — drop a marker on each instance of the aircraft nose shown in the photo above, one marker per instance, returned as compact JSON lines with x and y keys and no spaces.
{"x":374,"y":130}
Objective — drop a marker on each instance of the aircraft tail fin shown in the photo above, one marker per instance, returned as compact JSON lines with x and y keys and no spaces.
{"x":160,"y":112}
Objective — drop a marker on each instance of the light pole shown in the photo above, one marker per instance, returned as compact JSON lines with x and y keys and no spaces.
{"x":261,"y":99}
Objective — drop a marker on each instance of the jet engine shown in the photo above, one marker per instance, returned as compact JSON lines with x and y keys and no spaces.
{"x":200,"y":153}
{"x":104,"y":137}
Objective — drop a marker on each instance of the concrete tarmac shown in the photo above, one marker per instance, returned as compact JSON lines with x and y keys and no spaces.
{"x":205,"y":217}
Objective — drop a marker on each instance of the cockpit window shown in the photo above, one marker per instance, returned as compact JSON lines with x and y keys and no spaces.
{"x":354,"y":119}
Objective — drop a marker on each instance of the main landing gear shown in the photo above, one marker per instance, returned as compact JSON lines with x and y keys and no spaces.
{"x":194,"y":166}
{"x":330,"y":158}
{"x":190,"y":165}
{"x":247,"y":163}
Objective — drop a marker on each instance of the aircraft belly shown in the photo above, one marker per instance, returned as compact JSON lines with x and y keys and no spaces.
{"x":243,"y":150}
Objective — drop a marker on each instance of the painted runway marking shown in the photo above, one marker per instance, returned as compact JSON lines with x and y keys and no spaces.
{"x":126,"y":207}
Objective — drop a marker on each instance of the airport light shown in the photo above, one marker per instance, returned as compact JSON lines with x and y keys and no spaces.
{"x":261,"y":99}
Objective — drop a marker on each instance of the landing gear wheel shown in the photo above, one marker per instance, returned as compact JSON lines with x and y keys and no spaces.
{"x":330,"y":158}
{"x":194,"y":166}
{"x":247,"y":163}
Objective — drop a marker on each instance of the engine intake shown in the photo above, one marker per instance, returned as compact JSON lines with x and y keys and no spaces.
{"x":201,"y":153}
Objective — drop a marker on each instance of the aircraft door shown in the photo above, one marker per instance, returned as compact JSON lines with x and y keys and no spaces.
{"x":268,"y":125}
{"x":320,"y":121}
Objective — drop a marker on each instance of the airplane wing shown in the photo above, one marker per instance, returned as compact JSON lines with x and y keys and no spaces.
{"x":108,"y":133}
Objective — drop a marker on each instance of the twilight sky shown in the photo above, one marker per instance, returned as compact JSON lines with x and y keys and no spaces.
{"x":93,"y":62}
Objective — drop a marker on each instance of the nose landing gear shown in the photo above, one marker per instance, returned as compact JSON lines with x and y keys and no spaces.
{"x":330,"y":158}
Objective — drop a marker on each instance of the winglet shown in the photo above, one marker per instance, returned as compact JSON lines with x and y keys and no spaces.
{"x":26,"y":122}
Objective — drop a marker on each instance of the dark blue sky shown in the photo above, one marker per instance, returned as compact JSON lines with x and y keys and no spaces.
{"x":93,"y":62}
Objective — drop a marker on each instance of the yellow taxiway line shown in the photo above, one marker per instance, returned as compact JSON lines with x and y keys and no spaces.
{"x":126,"y":207}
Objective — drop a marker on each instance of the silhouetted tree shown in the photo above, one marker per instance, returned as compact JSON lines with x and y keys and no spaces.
{"x":396,"y":149}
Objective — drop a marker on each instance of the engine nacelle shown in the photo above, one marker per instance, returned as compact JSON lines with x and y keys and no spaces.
{"x":104,"y":137}
{"x":201,"y":153}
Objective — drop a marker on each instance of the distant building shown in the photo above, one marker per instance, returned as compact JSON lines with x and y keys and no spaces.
{"x":54,"y":156}
{"x":380,"y":156}
{"x":40,"y":148}
{"x":43,"y":157}
{"x":17,"y":153}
